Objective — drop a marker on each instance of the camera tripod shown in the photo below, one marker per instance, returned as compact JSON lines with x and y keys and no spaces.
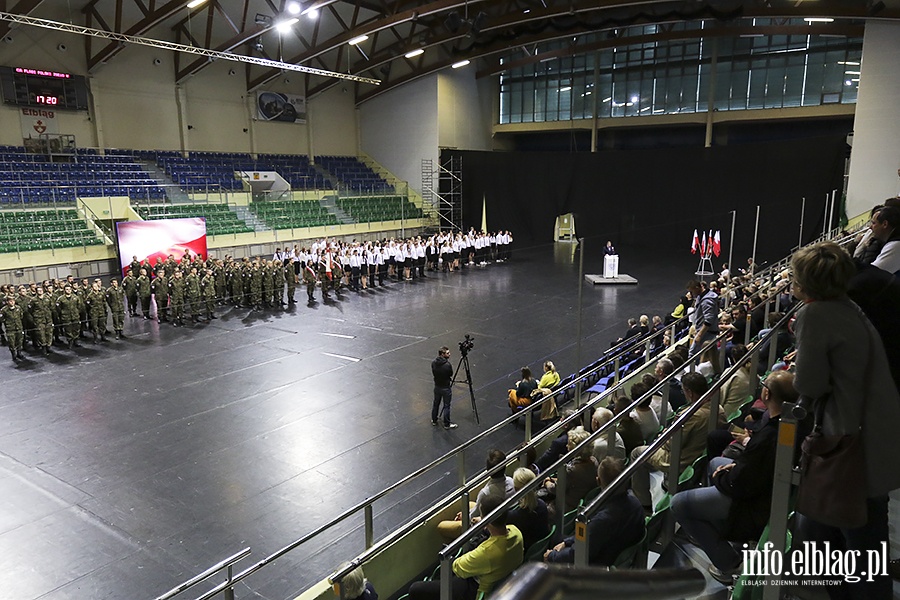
{"x":464,"y":362}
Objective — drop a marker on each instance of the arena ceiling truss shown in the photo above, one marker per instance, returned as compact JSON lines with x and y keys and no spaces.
{"x":398,"y":41}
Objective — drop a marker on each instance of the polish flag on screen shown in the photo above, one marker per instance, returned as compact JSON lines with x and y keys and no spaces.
{"x":717,"y":244}
{"x":695,"y":244}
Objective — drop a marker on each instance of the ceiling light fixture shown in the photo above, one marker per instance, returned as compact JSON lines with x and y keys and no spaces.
{"x":565,"y":89}
{"x":852,"y":73}
{"x":164,"y":45}
{"x":312,"y":13}
{"x":414,"y":53}
{"x":461,"y":63}
{"x":294,"y":8}
{"x":358,"y":40}
{"x":285,"y":26}
{"x":819,"y":20}
{"x":195,"y":3}
{"x":849,"y":62}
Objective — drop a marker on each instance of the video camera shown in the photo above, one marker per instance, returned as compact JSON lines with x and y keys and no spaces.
{"x":467,"y":344}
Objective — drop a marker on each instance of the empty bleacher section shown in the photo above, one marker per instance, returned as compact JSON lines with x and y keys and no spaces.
{"x":219,"y":219}
{"x":204,"y":170}
{"x":24,"y":231}
{"x":292,"y":214}
{"x":355,"y":177}
{"x":379,"y":208}
{"x":35,"y":179}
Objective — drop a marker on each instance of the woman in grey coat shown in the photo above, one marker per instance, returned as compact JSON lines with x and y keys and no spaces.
{"x":841,"y":361}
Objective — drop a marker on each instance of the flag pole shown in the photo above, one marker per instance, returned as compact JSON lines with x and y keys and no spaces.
{"x":731,"y":242}
{"x":755,"y":237}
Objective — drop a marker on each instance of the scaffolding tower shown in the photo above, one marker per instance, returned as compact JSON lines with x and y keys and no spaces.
{"x":442,"y":188}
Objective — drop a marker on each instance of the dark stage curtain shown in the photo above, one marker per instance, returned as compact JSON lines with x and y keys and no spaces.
{"x":658,"y":196}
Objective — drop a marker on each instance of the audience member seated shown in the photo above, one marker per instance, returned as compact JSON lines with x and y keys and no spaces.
{"x":681,"y":309}
{"x":693,"y":440}
{"x":643,"y":414}
{"x":627,"y":427}
{"x":499,"y":485}
{"x":735,"y":507}
{"x":549,"y":380}
{"x":601,"y":417}
{"x":528,"y":459}
{"x":580,"y":472}
{"x":617,"y":525}
{"x":736,"y":390}
{"x":886,"y":228}
{"x":479,"y":570}
{"x":521,"y":395}
{"x":866,"y":247}
{"x":530,"y":516}
{"x":355,"y":584}
{"x":664,"y":368}
{"x":783,"y":341}
{"x":708,"y":361}
{"x":558,"y":446}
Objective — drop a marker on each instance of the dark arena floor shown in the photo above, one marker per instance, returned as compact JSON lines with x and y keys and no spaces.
{"x":130,"y":466}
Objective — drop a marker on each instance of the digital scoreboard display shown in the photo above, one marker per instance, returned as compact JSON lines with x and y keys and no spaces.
{"x":23,"y":86}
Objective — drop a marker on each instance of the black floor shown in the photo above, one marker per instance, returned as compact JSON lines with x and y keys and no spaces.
{"x":128,"y":467}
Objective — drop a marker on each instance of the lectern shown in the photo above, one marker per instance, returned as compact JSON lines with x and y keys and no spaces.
{"x":611,"y":266}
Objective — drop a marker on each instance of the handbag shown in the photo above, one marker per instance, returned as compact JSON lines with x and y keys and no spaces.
{"x":832,"y":486}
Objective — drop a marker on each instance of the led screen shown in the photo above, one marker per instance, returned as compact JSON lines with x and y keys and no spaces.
{"x":158,"y":239}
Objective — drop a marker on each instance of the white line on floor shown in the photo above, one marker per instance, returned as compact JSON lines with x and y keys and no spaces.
{"x":350,"y":358}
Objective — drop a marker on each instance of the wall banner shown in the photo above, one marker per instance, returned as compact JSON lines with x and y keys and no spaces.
{"x":36,"y":121}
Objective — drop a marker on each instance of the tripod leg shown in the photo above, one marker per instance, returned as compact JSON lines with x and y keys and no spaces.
{"x":471,"y":389}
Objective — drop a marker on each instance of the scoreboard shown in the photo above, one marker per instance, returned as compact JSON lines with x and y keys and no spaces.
{"x":23,"y":86}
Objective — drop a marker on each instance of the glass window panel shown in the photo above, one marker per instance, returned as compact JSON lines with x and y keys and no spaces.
{"x":775,"y":82}
{"x":793,"y":80}
{"x":723,"y":85}
{"x":757,"y":95}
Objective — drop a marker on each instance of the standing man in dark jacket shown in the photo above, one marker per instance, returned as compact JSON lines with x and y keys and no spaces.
{"x":443,"y":375}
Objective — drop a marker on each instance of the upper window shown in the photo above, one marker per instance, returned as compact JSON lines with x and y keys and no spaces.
{"x":682,"y":76}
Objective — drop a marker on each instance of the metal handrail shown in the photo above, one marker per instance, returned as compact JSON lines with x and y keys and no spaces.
{"x":585,"y":513}
{"x":453,"y":547}
{"x":614,"y":354}
{"x":227,"y":562}
{"x":539,"y":581}
{"x":339,"y":574}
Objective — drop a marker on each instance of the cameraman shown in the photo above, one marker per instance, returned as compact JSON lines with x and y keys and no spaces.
{"x":443,"y":374}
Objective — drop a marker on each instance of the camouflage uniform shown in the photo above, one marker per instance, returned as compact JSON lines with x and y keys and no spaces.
{"x":115,"y":299}
{"x":129,"y":285}
{"x":192,"y":294}
{"x":176,"y":293}
{"x":208,"y":289}
{"x":13,"y":318}
{"x":160,"y":289}
{"x":67,"y":307}
{"x":143,"y":287}
{"x":41,"y":309}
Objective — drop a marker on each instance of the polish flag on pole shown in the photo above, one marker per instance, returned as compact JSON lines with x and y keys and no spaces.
{"x":717,"y":244}
{"x":695,"y":244}
{"x":703,"y":245}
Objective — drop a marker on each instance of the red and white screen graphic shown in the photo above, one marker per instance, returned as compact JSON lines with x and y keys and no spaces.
{"x":158,"y":239}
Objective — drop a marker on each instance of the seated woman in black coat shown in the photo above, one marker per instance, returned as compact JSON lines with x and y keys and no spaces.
{"x":521,"y":394}
{"x":530,"y":516}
